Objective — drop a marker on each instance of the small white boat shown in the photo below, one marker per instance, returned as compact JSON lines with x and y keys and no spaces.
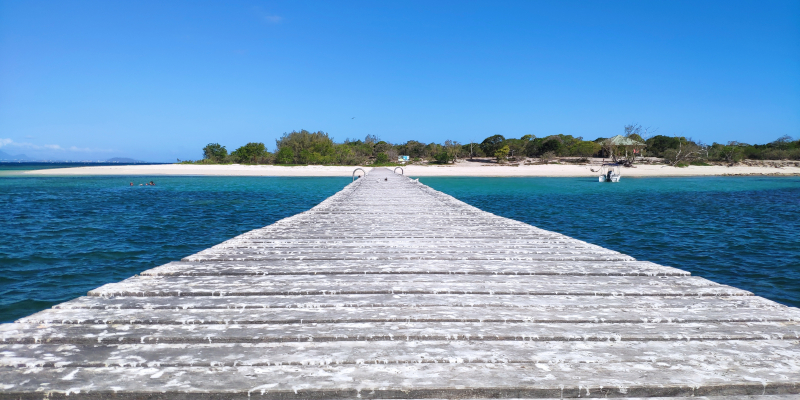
{"x":609,"y":173}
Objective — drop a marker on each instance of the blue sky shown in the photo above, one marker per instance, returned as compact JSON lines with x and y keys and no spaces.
{"x":159,"y":80}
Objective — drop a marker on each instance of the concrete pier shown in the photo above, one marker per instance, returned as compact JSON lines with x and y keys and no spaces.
{"x":390,"y":289}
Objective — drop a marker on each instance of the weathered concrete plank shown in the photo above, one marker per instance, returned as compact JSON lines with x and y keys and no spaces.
{"x":405,"y":267}
{"x":453,"y":283}
{"x":418,"y":380}
{"x":392,"y":352}
{"x":390,"y":289}
{"x":21,"y":333}
{"x":418,"y":257}
{"x":552,"y":302}
{"x":408,"y":314}
{"x":334,"y":279}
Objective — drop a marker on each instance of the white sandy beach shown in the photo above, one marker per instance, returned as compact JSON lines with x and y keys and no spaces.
{"x":460,"y":169}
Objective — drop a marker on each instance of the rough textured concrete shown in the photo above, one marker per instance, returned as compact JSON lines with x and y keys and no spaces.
{"x":390,"y":289}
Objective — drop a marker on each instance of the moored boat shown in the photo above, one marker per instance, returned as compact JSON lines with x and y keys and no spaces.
{"x":610,"y":173}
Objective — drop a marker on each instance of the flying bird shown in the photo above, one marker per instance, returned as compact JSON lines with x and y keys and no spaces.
{"x":353,"y":118}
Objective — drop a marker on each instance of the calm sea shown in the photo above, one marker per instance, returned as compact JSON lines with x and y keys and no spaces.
{"x":60,"y":237}
{"x":12,"y":167}
{"x":740,"y":231}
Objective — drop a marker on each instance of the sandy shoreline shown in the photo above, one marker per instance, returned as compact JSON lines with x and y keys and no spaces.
{"x":460,"y":169}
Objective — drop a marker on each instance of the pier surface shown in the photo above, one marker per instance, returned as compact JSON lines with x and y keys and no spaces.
{"x":390,"y":289}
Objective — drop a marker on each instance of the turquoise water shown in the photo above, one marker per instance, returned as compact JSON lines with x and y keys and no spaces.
{"x":60,"y":237}
{"x":13,"y":168}
{"x":740,"y":231}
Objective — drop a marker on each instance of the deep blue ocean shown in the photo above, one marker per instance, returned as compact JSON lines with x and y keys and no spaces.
{"x":62,"y":236}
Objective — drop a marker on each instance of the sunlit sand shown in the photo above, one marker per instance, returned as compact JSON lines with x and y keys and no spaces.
{"x":463,"y":168}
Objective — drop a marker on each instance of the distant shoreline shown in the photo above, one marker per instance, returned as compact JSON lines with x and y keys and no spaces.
{"x":459,"y":169}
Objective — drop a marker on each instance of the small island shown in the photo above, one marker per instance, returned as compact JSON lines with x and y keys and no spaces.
{"x":305,"y":153}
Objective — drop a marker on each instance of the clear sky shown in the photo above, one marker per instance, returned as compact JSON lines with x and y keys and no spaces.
{"x":158,"y":80}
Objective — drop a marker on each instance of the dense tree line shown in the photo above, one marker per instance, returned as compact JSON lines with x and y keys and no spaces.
{"x":680,"y":150}
{"x":304,"y":147}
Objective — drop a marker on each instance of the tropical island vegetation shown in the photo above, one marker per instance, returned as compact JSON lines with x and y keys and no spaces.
{"x":633,"y":145}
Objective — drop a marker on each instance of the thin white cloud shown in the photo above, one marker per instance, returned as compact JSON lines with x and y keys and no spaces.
{"x":272,"y":19}
{"x":267,"y":17}
{"x":32,"y":146}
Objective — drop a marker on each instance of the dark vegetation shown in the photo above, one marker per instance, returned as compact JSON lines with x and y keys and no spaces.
{"x":304,"y":148}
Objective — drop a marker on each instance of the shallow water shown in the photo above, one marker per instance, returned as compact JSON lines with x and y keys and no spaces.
{"x":61,"y":237}
{"x":14,"y":168}
{"x":740,"y":231}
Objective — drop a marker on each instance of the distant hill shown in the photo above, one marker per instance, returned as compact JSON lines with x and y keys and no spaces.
{"x":124,"y":160}
{"x":17,"y":157}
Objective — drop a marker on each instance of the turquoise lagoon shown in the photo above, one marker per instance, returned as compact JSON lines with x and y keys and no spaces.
{"x":63,"y":236}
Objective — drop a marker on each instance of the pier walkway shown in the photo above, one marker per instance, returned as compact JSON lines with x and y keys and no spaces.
{"x":390,"y":289}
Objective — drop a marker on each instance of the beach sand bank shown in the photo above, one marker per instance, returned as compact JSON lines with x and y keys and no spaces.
{"x":460,"y":169}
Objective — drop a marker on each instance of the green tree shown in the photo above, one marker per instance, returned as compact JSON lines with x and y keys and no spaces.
{"x":381,"y":158}
{"x":502,"y":153}
{"x":491,"y":144}
{"x":412,"y":148}
{"x":252,"y":152}
{"x":443,"y":157}
{"x":453,"y":149}
{"x":308,"y":147}
{"x":585,"y":149}
{"x":731,"y":153}
{"x":307,"y":157}
{"x":517,"y":146}
{"x":657,"y":145}
{"x":381,"y":147}
{"x":551,"y":144}
{"x":432,"y":149}
{"x":349,"y":155}
{"x":214,"y":152}
{"x":284,"y":156}
{"x":533,"y":146}
{"x":357,"y":151}
{"x":686,"y":152}
{"x":472,"y":150}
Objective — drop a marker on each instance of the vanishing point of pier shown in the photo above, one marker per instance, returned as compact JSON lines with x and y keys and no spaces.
{"x":390,"y":289}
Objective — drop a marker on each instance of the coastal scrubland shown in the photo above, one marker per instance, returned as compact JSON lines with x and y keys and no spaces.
{"x":304,"y":153}
{"x":636,"y":146}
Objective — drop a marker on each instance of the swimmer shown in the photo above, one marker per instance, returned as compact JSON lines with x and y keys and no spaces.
{"x":131,"y":183}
